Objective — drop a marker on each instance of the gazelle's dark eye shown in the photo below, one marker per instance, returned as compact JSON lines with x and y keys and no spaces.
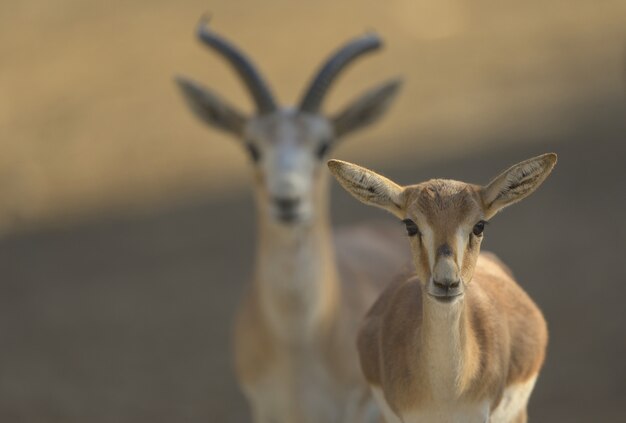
{"x":479,"y":228}
{"x":411,"y":227}
{"x":322,"y":150}
{"x":254,"y":152}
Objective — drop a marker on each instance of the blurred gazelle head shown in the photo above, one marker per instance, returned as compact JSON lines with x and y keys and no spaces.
{"x":287,"y":145}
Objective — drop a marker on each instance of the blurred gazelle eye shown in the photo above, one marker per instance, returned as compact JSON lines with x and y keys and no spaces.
{"x":254,"y":152}
{"x":411,"y":227}
{"x":323,"y":149}
{"x":479,"y":228}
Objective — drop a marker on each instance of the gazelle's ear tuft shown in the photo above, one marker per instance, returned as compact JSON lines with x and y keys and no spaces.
{"x":366,"y":109}
{"x":210,"y":108}
{"x":516,"y":183}
{"x":369,"y":187}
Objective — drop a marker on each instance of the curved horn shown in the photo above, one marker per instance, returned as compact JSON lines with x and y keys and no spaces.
{"x":243,"y":66}
{"x":337,"y":62}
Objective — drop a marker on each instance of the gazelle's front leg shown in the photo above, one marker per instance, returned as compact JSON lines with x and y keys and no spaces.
{"x":362,"y":408}
{"x":261,"y":413}
{"x":263,"y":408}
{"x":522,"y":417}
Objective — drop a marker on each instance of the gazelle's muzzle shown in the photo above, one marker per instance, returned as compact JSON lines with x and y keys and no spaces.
{"x":286,"y":208}
{"x":289,"y":197}
{"x":445,"y":283}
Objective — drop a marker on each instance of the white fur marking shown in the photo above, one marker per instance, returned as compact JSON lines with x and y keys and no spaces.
{"x":428,"y":240}
{"x":388,"y":414}
{"x":443,"y":350}
{"x":461,"y":237}
{"x":514,"y":400}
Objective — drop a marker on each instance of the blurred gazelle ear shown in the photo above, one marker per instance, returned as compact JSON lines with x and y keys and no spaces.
{"x":367,"y":109}
{"x":210,"y":108}
{"x":369,"y":187}
{"x":516,"y":183}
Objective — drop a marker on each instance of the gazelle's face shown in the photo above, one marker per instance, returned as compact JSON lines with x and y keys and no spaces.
{"x":288,"y":145}
{"x":287,"y":149}
{"x":445,"y":219}
{"x":445,"y":223}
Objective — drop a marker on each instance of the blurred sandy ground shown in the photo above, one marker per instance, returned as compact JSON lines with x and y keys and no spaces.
{"x":119,"y":270}
{"x":90,"y":120}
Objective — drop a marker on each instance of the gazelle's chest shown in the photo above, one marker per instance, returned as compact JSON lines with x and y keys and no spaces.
{"x":457,"y":413}
{"x":434,"y":413}
{"x":302,"y":391}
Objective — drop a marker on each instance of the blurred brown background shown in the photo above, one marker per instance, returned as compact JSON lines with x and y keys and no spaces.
{"x":127,"y":227}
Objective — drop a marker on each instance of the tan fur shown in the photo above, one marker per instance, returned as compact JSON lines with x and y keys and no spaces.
{"x":308,"y":360}
{"x":507,"y":331}
{"x":295,"y":333}
{"x":446,"y":342}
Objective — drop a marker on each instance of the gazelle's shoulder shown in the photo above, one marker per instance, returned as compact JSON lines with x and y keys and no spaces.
{"x":399,"y":302}
{"x":497,"y":289}
{"x":499,"y":294}
{"x":490,"y":264}
{"x":404,"y":287}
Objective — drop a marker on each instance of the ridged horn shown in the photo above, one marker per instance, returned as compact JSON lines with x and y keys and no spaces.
{"x":334,"y":65}
{"x":260,"y":91}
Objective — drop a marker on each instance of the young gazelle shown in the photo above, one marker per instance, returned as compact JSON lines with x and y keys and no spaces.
{"x":295,"y":335}
{"x":457,"y":340}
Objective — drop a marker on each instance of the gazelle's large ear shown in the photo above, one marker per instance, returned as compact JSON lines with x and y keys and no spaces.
{"x":516,"y":183}
{"x":369,"y":187}
{"x":366,"y":109}
{"x":210,"y":108}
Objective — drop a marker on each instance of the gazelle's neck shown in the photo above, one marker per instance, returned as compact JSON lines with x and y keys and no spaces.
{"x":296,"y":276}
{"x":449,"y":349}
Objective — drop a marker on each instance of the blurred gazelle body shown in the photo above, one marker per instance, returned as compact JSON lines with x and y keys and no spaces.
{"x":296,"y":329}
{"x":457,"y":340}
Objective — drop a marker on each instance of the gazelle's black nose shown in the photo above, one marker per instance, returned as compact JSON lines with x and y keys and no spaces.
{"x":447,"y":283}
{"x":286,"y":204}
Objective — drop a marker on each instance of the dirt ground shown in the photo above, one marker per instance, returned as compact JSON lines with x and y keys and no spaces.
{"x":126,"y":230}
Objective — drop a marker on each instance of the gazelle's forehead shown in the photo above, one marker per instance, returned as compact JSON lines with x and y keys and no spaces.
{"x":443,"y":204}
{"x":288,"y":126}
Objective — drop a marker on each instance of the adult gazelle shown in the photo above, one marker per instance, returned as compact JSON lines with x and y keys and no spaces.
{"x":296,"y":328}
